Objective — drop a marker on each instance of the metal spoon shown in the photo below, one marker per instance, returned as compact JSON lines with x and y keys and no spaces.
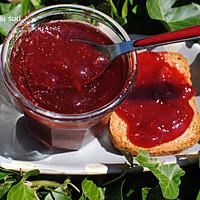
{"x":115,"y":50}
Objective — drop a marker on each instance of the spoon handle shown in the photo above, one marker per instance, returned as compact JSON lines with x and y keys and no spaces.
{"x":170,"y":37}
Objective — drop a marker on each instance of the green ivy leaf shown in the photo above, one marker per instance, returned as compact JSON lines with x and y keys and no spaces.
{"x":5,"y":187}
{"x":174,"y":17}
{"x":57,"y":195}
{"x":91,"y":191}
{"x":146,"y":161}
{"x":125,"y":9}
{"x":135,"y":9}
{"x":168,"y":175}
{"x":169,"y":179}
{"x":20,"y":191}
{"x":157,"y":9}
{"x":113,"y":9}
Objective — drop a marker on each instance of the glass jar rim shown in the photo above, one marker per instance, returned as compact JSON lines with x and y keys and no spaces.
{"x":50,"y":114}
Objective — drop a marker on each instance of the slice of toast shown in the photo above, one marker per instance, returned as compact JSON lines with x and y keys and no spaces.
{"x":118,"y":128}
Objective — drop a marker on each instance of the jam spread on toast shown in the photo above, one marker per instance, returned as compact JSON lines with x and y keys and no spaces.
{"x":158,"y":110}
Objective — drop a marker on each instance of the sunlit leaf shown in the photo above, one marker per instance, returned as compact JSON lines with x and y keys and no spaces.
{"x":146,"y":161}
{"x":125,"y":8}
{"x":20,"y":191}
{"x":91,"y":191}
{"x":174,"y":17}
{"x":113,"y":8}
{"x":169,"y":179}
{"x":135,"y":8}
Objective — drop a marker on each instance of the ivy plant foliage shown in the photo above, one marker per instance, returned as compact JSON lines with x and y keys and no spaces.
{"x":11,"y":13}
{"x":54,"y":189}
{"x":17,"y":186}
{"x":170,"y":13}
{"x":173,"y":15}
{"x":168,"y":175}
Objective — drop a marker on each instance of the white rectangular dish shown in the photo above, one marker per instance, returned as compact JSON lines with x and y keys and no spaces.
{"x":19,"y":151}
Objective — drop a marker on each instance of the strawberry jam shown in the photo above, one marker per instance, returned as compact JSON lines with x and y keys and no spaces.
{"x":157,"y":111}
{"x":53,"y":71}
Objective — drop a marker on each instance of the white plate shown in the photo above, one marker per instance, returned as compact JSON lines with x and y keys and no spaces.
{"x":19,"y":151}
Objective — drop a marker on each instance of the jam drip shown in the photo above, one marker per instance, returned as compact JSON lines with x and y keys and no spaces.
{"x":157,"y":111}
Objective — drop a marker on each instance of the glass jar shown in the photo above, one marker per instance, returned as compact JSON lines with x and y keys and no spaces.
{"x":66,"y":131}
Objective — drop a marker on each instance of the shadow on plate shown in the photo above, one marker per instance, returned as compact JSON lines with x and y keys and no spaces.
{"x":106,"y":143}
{"x":20,"y":145}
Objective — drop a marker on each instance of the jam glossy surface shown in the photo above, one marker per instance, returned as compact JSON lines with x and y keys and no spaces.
{"x":52,"y":71}
{"x":157,"y":111}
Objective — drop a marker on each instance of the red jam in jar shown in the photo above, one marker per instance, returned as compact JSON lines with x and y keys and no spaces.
{"x":157,"y":111}
{"x":47,"y":66}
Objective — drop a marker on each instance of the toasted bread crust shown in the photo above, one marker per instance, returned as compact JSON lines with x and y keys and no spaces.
{"x":118,"y":128}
